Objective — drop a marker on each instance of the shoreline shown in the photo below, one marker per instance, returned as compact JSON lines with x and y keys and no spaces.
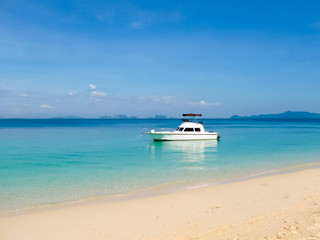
{"x":163,"y":189}
{"x":278,"y":206}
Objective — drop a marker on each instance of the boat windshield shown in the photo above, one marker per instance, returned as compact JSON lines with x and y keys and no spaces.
{"x":189,"y":130}
{"x":181,"y":129}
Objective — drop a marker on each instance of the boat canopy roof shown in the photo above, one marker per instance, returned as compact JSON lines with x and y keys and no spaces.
{"x":191,"y":115}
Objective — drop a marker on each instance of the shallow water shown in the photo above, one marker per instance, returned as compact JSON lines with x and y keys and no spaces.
{"x":58,"y":160}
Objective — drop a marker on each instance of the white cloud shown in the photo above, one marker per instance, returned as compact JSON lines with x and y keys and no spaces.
{"x":23,"y":95}
{"x":177,"y":101}
{"x":92,"y":87}
{"x":71,"y":94}
{"x":100,"y":94}
{"x":204,"y":103}
{"x":47,"y":106}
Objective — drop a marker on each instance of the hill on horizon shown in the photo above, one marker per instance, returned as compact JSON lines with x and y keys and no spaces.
{"x":288,"y":114}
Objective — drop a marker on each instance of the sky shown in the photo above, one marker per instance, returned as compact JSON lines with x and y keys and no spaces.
{"x":142,"y":58}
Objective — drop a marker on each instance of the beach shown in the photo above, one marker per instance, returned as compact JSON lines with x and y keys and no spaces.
{"x":159,"y":120}
{"x":281,"y":206}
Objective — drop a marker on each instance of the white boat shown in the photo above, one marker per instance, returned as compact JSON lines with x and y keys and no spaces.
{"x":188,"y":130}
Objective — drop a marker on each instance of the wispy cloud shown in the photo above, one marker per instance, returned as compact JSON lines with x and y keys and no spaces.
{"x":162,"y":99}
{"x":142,"y":18}
{"x":47,"y":106}
{"x":23,"y":95}
{"x":92,"y":87}
{"x":95,"y":94}
{"x":178,"y":101}
{"x":100,"y":94}
{"x":136,"y":25}
{"x":316,"y":25}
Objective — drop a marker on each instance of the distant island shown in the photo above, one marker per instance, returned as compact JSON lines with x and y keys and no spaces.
{"x":123,"y":116}
{"x":284,"y":115}
{"x":118,"y":116}
{"x":288,"y":114}
{"x":66,"y":117}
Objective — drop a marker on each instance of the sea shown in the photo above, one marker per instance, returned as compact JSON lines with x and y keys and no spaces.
{"x":53,"y":161}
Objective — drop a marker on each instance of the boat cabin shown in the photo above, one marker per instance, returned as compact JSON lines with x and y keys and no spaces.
{"x":190,"y":127}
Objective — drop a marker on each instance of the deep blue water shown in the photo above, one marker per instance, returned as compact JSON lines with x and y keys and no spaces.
{"x":57,"y":160}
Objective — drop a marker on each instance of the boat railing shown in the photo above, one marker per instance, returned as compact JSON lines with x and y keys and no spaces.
{"x":162,"y":130}
{"x":191,"y":117}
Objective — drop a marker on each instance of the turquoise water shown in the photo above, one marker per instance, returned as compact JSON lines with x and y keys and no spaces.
{"x":51,"y":161}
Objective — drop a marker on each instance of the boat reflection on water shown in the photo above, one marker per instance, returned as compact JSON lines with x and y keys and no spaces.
{"x":186,"y":151}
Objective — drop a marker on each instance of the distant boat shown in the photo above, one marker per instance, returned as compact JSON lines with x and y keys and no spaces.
{"x":188,"y":130}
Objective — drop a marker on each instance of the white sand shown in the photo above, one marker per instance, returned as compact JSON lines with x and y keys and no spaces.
{"x":285,"y":206}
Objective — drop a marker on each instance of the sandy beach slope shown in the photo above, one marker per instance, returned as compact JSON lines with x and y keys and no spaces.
{"x":285,"y":206}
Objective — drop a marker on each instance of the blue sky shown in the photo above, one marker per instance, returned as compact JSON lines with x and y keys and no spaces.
{"x":219,"y":58}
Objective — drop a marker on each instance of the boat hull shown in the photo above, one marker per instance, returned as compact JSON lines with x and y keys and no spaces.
{"x":182,"y":137}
